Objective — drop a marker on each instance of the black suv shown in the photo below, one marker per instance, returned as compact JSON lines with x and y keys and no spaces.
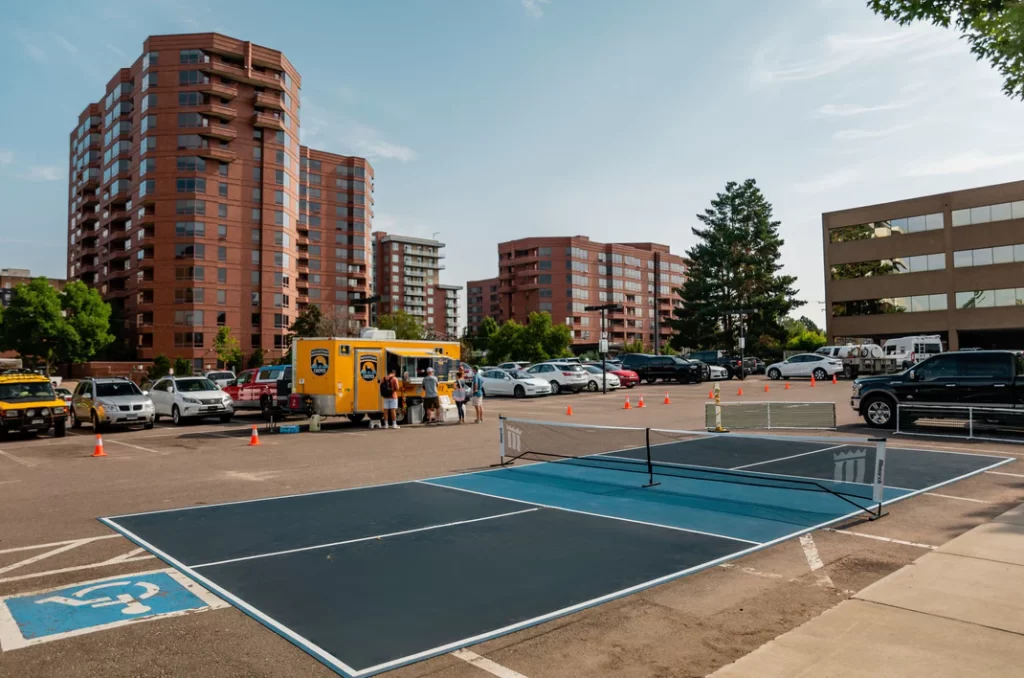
{"x":961,"y":379}
{"x":651,"y":368}
{"x":732,"y":364}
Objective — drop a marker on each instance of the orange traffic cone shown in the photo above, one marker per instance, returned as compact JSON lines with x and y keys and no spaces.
{"x":568,"y":411}
{"x":667,"y":401}
{"x":834,"y":381}
{"x":740,"y":392}
{"x":787,"y":386}
{"x":254,"y":439}
{"x":98,"y":450}
{"x":766,"y":388}
{"x":627,"y":406}
{"x":711,"y":394}
{"x":812,"y":381}
{"x":641,"y":403}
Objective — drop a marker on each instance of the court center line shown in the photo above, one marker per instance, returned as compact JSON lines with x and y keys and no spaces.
{"x":596,"y":515}
{"x":361,"y":539}
{"x":487,"y":665}
{"x":792,"y":456}
{"x":16,"y":460}
{"x":814,"y":560}
{"x":876,"y":537}
{"x":950,"y":496}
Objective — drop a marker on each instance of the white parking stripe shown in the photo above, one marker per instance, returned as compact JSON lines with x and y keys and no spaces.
{"x":950,"y":496}
{"x":42,"y":556}
{"x":16,"y":460}
{"x":487,"y":665}
{"x":1000,"y":473}
{"x":814,"y":560}
{"x":886,"y":539}
{"x":136,"y":447}
{"x":36,"y":547}
{"x":76,"y":568}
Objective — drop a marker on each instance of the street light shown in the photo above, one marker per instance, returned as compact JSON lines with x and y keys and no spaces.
{"x":602,"y":346}
{"x":743,"y":313}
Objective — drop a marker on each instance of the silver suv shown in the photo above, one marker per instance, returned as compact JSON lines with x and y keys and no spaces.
{"x":107,"y":401}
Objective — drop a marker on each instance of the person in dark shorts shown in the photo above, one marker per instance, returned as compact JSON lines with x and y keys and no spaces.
{"x":431,"y":401}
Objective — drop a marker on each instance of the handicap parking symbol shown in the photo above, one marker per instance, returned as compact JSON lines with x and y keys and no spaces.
{"x":97,"y":605}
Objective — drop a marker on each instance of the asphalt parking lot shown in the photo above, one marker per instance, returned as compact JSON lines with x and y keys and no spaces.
{"x":52,"y":492}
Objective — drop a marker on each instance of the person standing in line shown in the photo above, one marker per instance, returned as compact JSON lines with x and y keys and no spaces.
{"x":431,"y":401}
{"x":389,"y":396}
{"x":459,"y":395}
{"x":478,"y":397}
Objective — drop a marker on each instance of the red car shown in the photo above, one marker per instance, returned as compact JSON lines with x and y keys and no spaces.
{"x":627,"y":378}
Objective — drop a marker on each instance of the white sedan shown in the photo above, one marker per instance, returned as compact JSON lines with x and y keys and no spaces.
{"x":513,"y":383}
{"x":805,"y":365}
{"x":718,"y":373}
{"x":596,"y":381}
{"x":182,"y":398}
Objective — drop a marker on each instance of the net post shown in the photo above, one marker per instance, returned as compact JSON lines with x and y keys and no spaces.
{"x":878,"y":480}
{"x":650,"y":463}
{"x":501,"y":438}
{"x":970,"y":422}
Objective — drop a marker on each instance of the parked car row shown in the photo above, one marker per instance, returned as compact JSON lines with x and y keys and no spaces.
{"x":103,"y":402}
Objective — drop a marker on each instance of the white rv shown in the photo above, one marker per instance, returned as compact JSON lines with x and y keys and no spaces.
{"x":912,"y":350}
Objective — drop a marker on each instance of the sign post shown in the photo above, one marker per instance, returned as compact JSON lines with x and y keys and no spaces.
{"x":603,"y":344}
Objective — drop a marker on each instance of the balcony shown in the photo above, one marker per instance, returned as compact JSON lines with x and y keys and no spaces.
{"x":217,"y":153}
{"x":265,"y":100}
{"x":90,"y":199}
{"x":240,"y":74}
{"x":90,"y":180}
{"x":267,"y":120}
{"x":218,"y":132}
{"x":144,"y":216}
{"x":219,"y":89}
{"x":119,"y":253}
{"x":219,"y":111}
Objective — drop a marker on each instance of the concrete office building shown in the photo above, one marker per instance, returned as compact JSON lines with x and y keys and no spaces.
{"x":482,"y":300}
{"x":184,"y":201}
{"x":950,"y":264}
{"x":406,"y":275}
{"x":562,"y":275}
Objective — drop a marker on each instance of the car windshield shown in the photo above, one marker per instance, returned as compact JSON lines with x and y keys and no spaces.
{"x":519,"y":374}
{"x":593,"y":369}
{"x":195,"y":385}
{"x":37,"y":390}
{"x":220,"y":375}
{"x":570,"y":367}
{"x":116,"y":388}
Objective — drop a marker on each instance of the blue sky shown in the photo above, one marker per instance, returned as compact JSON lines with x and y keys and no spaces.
{"x":492,"y":119}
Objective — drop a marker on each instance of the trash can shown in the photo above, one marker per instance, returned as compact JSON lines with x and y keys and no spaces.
{"x":414,"y":414}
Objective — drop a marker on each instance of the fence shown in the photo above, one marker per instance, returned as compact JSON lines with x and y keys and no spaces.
{"x":961,"y":421}
{"x":771,"y":415}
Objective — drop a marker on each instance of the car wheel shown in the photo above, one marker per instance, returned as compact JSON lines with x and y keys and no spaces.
{"x":592,"y":386}
{"x":59,"y":430}
{"x":156,"y":417}
{"x":651,"y":380}
{"x":728,"y":373}
{"x":75,"y":423}
{"x":820,"y":374}
{"x":519,"y":392}
{"x":878,"y":412}
{"x":774,"y":374}
{"x":176,"y":416}
{"x":97,"y":427}
{"x":556,"y":388}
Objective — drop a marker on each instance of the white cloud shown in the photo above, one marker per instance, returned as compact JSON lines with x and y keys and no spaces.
{"x":964,"y":163}
{"x":848,"y":110}
{"x":32,"y":49}
{"x":857,"y":134}
{"x":376,"y":149}
{"x":65,"y":43}
{"x":119,"y":52}
{"x":829,"y":182}
{"x":535,"y":7}
{"x":323,"y":129}
{"x":44,"y":173}
{"x":6,"y":157}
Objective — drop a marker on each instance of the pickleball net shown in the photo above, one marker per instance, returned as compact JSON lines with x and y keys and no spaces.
{"x":653,"y":454}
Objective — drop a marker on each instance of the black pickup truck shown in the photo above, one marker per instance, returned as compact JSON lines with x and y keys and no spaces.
{"x":963,"y":379}
{"x":734,"y":366}
{"x":651,"y":368}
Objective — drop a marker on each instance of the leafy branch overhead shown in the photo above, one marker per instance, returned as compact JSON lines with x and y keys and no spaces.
{"x":994,"y":29}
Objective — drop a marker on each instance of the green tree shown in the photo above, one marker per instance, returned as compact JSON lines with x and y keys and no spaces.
{"x":667,"y":349}
{"x":810,"y":324}
{"x":307,"y":323}
{"x":734,"y":265}
{"x":228,"y":349}
{"x":255,"y":359}
{"x":182,"y":367}
{"x":539,"y":339}
{"x":161,"y":367}
{"x":405,"y":326}
{"x":488,"y":327}
{"x":806,"y":341}
{"x":994,"y":30}
{"x":635,"y":346}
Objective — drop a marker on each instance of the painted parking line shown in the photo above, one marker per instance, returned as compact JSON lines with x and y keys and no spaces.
{"x":97,"y":605}
{"x":16,"y":460}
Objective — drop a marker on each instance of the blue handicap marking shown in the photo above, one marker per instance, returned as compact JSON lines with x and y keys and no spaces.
{"x":100,"y":604}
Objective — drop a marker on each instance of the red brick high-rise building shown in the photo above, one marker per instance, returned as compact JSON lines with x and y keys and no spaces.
{"x":191,"y":201}
{"x":406,"y":277}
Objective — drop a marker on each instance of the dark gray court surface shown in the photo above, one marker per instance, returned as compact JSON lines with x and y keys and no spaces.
{"x":370,"y":579}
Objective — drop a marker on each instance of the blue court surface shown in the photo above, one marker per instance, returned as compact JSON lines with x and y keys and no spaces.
{"x":369,"y":579}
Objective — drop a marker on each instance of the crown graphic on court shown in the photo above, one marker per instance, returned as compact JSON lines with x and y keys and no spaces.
{"x":852,"y":454}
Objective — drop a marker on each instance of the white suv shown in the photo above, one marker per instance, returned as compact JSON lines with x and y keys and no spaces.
{"x":561,"y":376}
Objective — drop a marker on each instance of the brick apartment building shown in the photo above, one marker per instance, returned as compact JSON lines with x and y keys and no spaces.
{"x":950,"y":264}
{"x":562,"y":275}
{"x":192,"y":205}
{"x":12,"y":277}
{"x":406,"y":275}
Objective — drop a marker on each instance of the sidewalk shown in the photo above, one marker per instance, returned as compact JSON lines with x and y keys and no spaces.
{"x":955,"y":612}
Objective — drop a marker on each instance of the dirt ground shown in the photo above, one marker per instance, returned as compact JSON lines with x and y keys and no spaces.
{"x":51,"y":493}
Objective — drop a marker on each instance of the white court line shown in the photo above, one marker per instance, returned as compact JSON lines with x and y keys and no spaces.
{"x":76,"y":568}
{"x":950,"y":496}
{"x":137,"y":447}
{"x":361,"y":539}
{"x":1000,"y":473}
{"x":814,"y":560}
{"x":886,"y":539}
{"x":792,"y":456}
{"x":487,"y":665}
{"x":596,"y":515}
{"x":16,"y":460}
{"x":36,"y":547}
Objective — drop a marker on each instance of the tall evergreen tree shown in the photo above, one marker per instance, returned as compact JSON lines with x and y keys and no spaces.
{"x":735,"y":265}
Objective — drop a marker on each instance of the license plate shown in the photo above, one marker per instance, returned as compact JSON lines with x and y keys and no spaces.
{"x":210,"y":408}
{"x":38,"y":421}
{"x":131,"y":417}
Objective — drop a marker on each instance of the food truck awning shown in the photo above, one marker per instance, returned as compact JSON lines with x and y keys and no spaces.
{"x":415,"y":353}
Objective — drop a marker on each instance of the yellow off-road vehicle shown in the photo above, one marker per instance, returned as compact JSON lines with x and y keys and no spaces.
{"x":29,"y":405}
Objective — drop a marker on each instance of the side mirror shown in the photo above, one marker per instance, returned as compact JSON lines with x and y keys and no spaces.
{"x":145,"y":393}
{"x":912,"y":376}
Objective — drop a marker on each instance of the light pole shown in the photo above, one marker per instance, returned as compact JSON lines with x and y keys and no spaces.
{"x":743,"y":313}
{"x":602,"y":346}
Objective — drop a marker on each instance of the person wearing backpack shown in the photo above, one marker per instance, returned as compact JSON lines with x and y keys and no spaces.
{"x":389,"y":396}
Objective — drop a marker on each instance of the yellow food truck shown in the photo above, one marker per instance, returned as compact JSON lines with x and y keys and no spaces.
{"x":341,"y":377}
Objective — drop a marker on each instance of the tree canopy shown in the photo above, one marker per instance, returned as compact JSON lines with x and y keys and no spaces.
{"x":315,"y":322}
{"x":406,"y":326}
{"x":994,"y":29}
{"x":734,"y":265}
{"x":539,"y":339}
{"x":228,"y":349}
{"x":50,"y":327}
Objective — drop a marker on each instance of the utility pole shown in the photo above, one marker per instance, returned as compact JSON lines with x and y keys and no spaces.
{"x":743,"y":313}
{"x":602,"y":346}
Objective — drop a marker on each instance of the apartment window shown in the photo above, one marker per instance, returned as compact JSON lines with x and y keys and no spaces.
{"x":190,"y":251}
{"x":222,"y":276}
{"x":186,"y":78}
{"x":191,"y":185}
{"x":147,"y":187}
{"x":192,"y":56}
{"x":147,"y":144}
{"x":257,"y":174}
{"x":222,"y":254}
{"x":189,"y":229}
{"x":257,"y":152}
{"x":190,"y":163}
{"x":148,"y":101}
{"x":255,"y":258}
{"x":280,"y":177}
{"x":281,"y":301}
{"x":255,"y":298}
{"x":222,"y":297}
{"x":254,"y":235}
{"x":222,"y":211}
{"x":281,"y":259}
{"x":915,"y":304}
{"x":191,"y":120}
{"x":222,"y":170}
{"x":282,"y":239}
{"x":189,"y":295}
{"x":280,"y":198}
{"x":188,"y":317}
{"x":146,"y":166}
{"x":189,"y":273}
{"x":280,"y":320}
{"x":222,"y":231}
{"x":222,"y":318}
{"x":281,"y":218}
{"x":190,"y":207}
{"x":150,"y":59}
{"x":189,"y":98}
{"x":190,"y":141}
{"x":254,"y":339}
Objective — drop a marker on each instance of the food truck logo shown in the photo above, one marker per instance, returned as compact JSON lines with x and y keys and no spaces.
{"x":319,"y":359}
{"x":368,"y":367}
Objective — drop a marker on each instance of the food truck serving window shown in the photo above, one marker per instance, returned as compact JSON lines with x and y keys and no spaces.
{"x":415,"y":364}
